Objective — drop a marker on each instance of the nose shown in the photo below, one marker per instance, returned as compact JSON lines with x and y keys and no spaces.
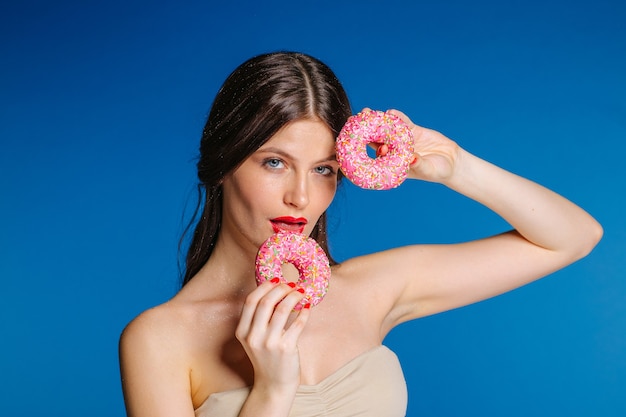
{"x":297,"y":192}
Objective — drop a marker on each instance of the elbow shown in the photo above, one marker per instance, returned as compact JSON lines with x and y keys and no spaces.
{"x":590,"y":238}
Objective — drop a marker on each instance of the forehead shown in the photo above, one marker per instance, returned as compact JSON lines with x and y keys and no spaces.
{"x":310,"y":135}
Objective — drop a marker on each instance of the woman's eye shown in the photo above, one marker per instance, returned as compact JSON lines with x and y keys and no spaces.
{"x":274,"y":163}
{"x":324,"y":170}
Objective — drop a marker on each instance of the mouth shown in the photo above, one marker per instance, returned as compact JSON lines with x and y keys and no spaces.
{"x":288,"y":224}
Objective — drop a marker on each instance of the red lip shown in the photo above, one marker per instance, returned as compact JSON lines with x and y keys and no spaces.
{"x":288,"y":224}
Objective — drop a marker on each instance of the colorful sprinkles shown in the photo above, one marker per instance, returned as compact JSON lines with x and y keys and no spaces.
{"x":383,"y":172}
{"x":302,"y":252}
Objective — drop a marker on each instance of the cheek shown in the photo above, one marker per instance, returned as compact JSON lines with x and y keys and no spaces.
{"x":243,"y":193}
{"x":260,"y":195}
{"x":326,"y":193}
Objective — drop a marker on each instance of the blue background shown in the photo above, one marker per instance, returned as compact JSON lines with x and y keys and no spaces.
{"x":101,"y":109}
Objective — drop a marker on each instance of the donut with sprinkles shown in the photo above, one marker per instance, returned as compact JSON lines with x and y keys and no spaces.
{"x":372,"y":126}
{"x":302,"y":252}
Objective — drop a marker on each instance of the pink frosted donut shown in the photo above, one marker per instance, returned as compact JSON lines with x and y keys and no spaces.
{"x":302,"y":252}
{"x":383,"y":172}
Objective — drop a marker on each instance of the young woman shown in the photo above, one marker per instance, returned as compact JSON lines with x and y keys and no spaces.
{"x":224,"y":346}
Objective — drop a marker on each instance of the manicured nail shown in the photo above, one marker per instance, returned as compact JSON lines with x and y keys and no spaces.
{"x":292,"y":284}
{"x":307,"y":305}
{"x":275,"y":280}
{"x":414,"y":160}
{"x":300,"y":290}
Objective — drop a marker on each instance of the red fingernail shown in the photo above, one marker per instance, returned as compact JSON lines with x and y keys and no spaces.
{"x":300,"y":290}
{"x":307,"y":305}
{"x":414,"y":160}
{"x":292,"y":284}
{"x":275,"y":280}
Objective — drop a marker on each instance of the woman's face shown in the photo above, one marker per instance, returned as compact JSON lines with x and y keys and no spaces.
{"x":285,"y":185}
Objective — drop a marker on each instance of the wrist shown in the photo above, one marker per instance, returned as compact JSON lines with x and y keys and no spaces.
{"x":462,"y":169}
{"x":272,"y":401}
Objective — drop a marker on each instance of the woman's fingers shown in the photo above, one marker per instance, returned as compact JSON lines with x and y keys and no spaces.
{"x":382,"y":150}
{"x":267,"y":311}
{"x":250,"y":306}
{"x":402,"y":116}
{"x":278,"y":323}
{"x":293,"y":331}
{"x":269,"y":331}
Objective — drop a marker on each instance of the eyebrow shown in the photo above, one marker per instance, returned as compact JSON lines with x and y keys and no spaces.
{"x":330,"y":158}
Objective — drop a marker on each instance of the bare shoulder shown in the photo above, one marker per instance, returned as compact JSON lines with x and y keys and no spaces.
{"x":154,"y":324}
{"x":157,"y":335}
{"x":154,"y":363}
{"x":371,"y":280}
{"x":371,"y":272}
{"x":399,"y":282}
{"x":177,"y":324}
{"x":183,"y":349}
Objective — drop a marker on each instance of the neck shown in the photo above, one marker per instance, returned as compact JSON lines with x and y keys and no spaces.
{"x":230,"y":270}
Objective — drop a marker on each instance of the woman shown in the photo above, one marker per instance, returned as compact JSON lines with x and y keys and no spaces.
{"x":225,"y":346}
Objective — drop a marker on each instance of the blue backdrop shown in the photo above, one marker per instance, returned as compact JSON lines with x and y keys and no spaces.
{"x":101,"y":109}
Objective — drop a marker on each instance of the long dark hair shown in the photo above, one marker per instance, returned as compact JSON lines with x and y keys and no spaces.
{"x":256,"y":100}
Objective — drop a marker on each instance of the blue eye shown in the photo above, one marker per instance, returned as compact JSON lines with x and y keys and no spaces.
{"x":273,"y":163}
{"x":324,"y":170}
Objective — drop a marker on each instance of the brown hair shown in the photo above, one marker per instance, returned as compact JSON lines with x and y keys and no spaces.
{"x":256,"y":100}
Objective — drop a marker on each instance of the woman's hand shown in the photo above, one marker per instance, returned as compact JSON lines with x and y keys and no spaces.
{"x":436,"y":156}
{"x":269,"y":331}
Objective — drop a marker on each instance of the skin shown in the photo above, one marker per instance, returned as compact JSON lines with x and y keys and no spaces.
{"x":222,"y":332}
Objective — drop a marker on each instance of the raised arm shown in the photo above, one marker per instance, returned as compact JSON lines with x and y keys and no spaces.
{"x":549,"y":233}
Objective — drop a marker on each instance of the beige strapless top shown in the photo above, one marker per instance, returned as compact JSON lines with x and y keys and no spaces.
{"x":372,"y":384}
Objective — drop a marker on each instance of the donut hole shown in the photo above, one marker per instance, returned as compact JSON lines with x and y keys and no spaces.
{"x":290,"y":273}
{"x":371,"y":150}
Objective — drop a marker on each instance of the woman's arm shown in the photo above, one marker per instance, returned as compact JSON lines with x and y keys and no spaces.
{"x":155,"y":379}
{"x":549,"y":233}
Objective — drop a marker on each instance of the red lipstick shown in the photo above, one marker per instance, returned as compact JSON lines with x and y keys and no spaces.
{"x":288,"y":224}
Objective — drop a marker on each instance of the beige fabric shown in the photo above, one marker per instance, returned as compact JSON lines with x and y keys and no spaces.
{"x":372,"y":384}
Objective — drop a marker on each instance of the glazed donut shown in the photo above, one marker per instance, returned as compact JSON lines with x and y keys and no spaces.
{"x":302,"y":252}
{"x":383,"y":172}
